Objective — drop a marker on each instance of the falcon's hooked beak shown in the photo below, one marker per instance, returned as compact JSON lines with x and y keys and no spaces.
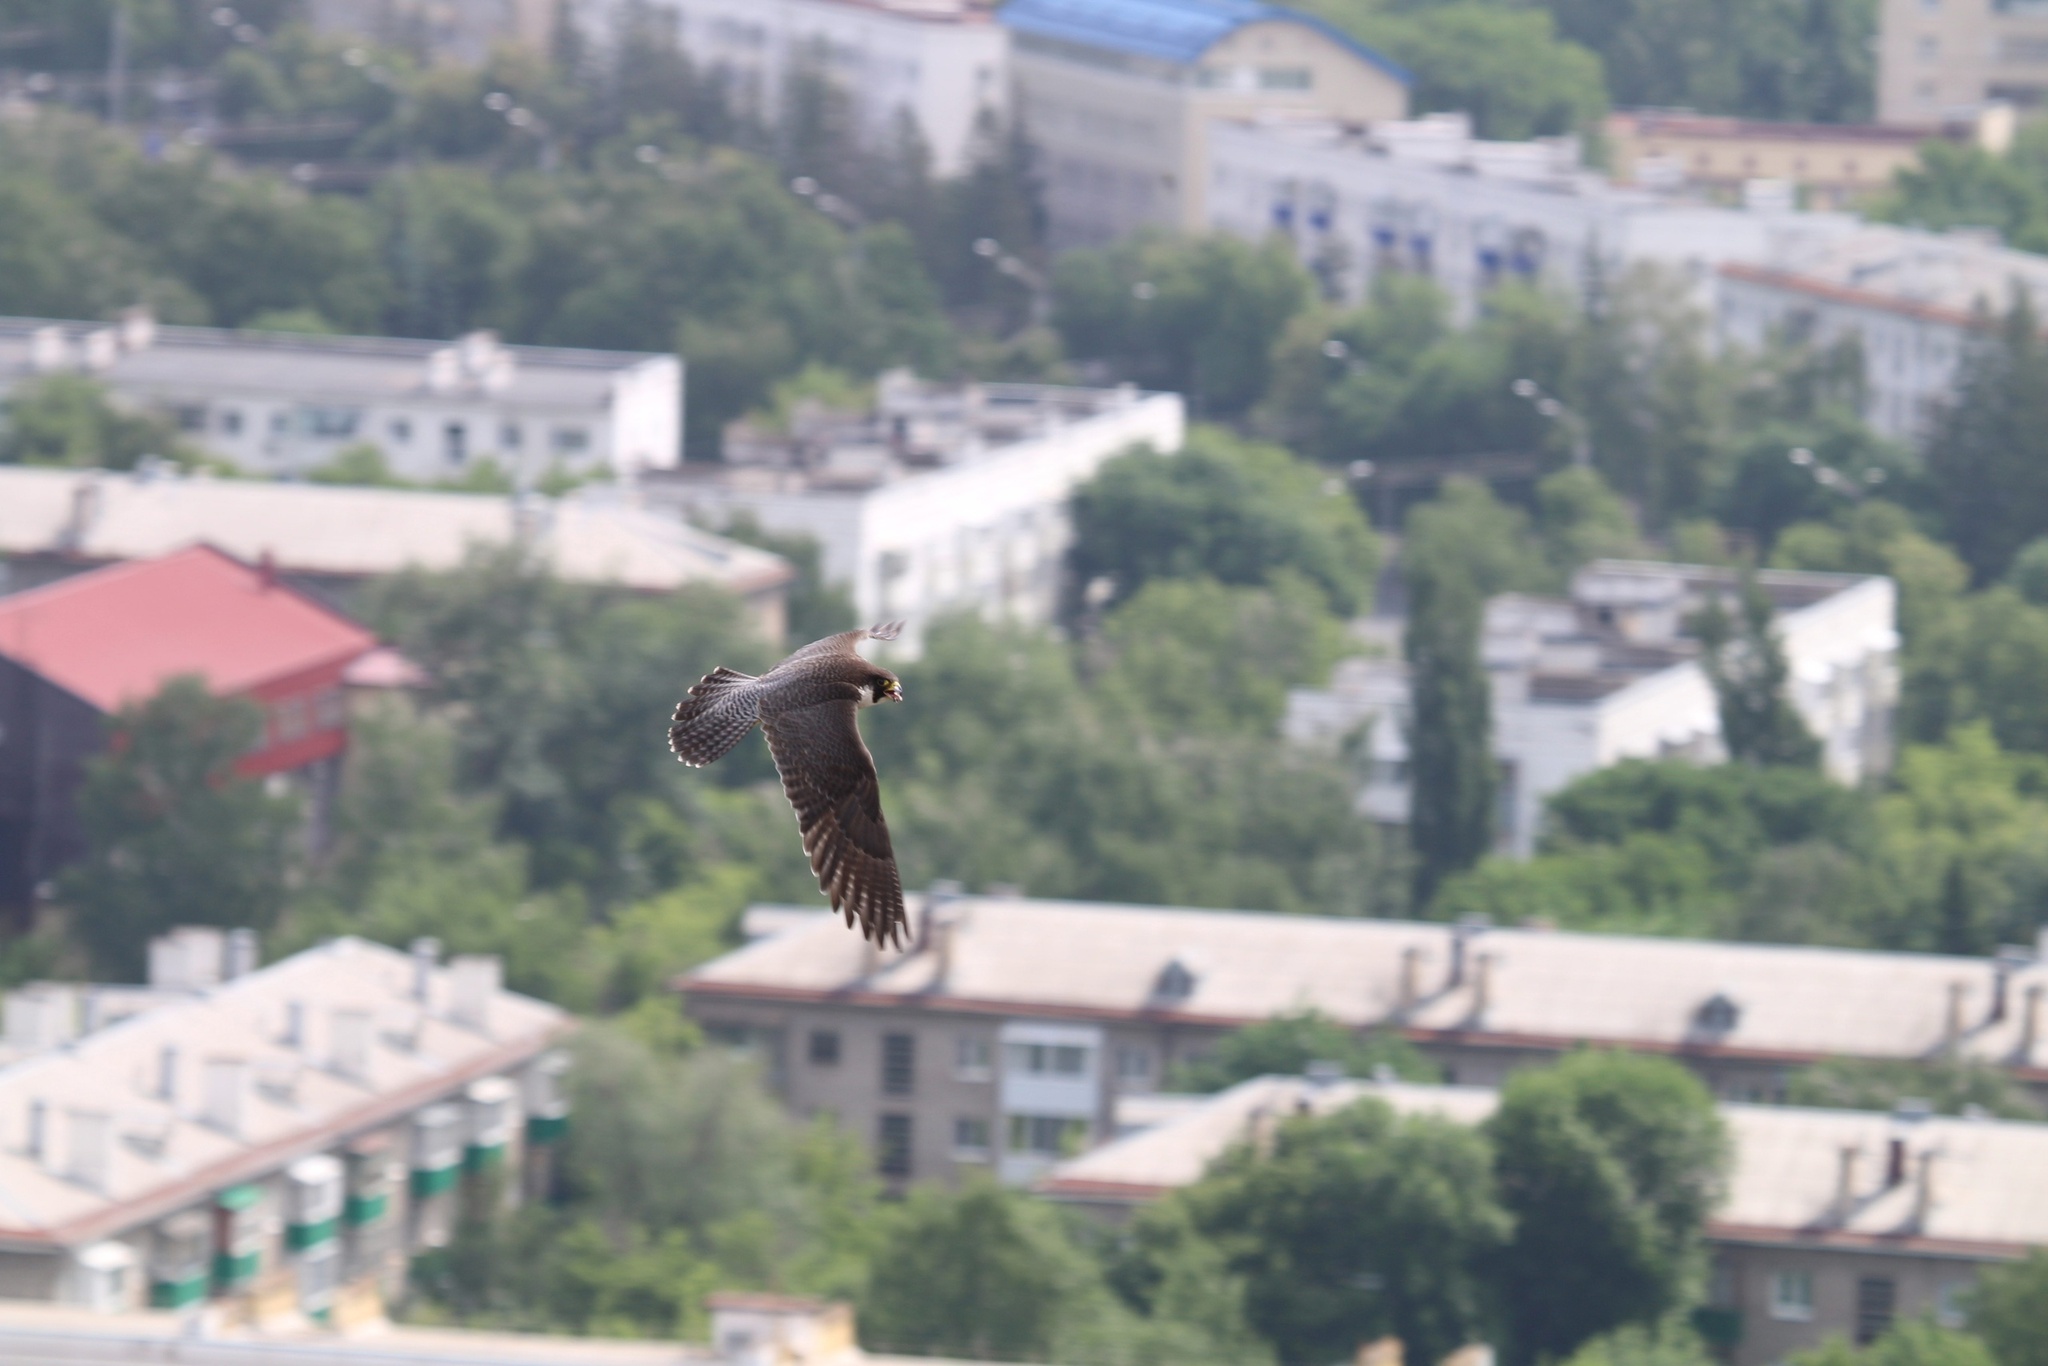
{"x":893,"y":691}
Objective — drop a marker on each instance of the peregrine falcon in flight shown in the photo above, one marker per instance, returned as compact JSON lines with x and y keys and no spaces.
{"x":806,"y":706}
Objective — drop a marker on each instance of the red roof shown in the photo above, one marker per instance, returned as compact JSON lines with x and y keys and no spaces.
{"x":115,"y":635}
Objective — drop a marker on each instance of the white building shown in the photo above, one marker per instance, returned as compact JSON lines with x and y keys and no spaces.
{"x":940,"y":65}
{"x":281,"y":1139}
{"x":1119,"y":96}
{"x":1912,"y":300}
{"x":944,"y":498}
{"x":1833,"y":1222}
{"x":328,"y":538}
{"x":1425,"y":197}
{"x":1939,"y":62}
{"x":465,"y":31}
{"x":272,"y":403}
{"x":1611,"y":673}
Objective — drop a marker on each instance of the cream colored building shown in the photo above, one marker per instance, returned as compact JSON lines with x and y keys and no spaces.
{"x":1939,"y":60}
{"x":1829,"y":165}
{"x":1118,"y":97}
{"x":1833,"y":1223}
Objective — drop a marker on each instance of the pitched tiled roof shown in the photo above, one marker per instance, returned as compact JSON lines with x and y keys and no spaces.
{"x":1171,"y":30}
{"x":1520,"y":986}
{"x":115,"y":635}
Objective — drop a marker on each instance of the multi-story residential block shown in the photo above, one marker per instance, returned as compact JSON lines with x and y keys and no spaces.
{"x":1006,"y":1038}
{"x":938,"y":68}
{"x":1834,"y":1223}
{"x":75,"y":653}
{"x":1941,"y":60}
{"x":327,"y":539}
{"x":276,"y":404}
{"x":1613,"y":672}
{"x":1424,"y":197}
{"x":282,"y":1138}
{"x":939,"y":498}
{"x":1829,"y":165}
{"x":1913,"y":302}
{"x":464,"y":31}
{"x":1119,"y":95}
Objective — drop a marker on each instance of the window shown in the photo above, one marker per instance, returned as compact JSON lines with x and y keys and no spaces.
{"x":330,"y":424}
{"x":892,"y":1146}
{"x":1877,"y":1299}
{"x":1047,"y":1135}
{"x":1286,"y":78}
{"x":970,"y":1139}
{"x":1133,"y":1063}
{"x":899,"y":1064}
{"x":231,"y":422}
{"x":455,"y":442}
{"x":1792,"y":1296}
{"x":1046,"y":1059}
{"x":509,"y":436}
{"x":1952,"y":1304}
{"x":569,"y":439}
{"x":191,"y":417}
{"x":289,"y":719}
{"x":400,"y":429}
{"x":1930,"y":49}
{"x":971,"y":1054}
{"x":825,"y":1048}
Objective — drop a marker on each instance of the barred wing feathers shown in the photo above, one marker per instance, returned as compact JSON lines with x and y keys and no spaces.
{"x":830,"y":779}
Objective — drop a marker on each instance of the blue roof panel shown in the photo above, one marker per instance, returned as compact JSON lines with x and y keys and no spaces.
{"x":1178,"y":31}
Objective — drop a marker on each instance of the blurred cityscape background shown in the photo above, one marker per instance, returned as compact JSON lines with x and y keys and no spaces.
{"x":1476,"y":775}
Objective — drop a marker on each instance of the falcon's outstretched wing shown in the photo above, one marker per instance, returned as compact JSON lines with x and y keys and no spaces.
{"x":830,"y":779}
{"x":843,"y":643}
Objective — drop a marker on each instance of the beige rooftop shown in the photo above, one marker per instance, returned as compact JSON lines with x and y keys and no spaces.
{"x":1519,"y":986}
{"x":1988,"y":1179}
{"x":1945,"y":276}
{"x":347,"y":532}
{"x":245,"y":1097}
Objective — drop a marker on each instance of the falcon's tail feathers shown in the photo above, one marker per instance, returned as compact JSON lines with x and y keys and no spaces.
{"x":716,"y":715}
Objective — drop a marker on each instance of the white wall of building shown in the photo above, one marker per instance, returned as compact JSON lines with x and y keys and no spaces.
{"x":986,"y":534}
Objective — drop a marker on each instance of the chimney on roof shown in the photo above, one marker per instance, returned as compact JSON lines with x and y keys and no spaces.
{"x":243,"y":954}
{"x":477,"y":978}
{"x":85,"y":510}
{"x":1923,"y":1188}
{"x":1468,"y":928}
{"x":221,"y":1101}
{"x":350,"y":1045}
{"x":1952,"y":1026}
{"x":1482,"y":984}
{"x":1410,"y":990}
{"x":167,"y":1074}
{"x":945,"y":946}
{"x":189,"y":958}
{"x":426,"y":956}
{"x":92,"y":1148}
{"x":294,"y":1024}
{"x":2030,"y":1023}
{"x":138,"y":328}
{"x":2008,"y":961}
{"x":943,"y":891}
{"x":1894,"y":1163}
{"x":1845,"y":1182}
{"x":35,"y":1139}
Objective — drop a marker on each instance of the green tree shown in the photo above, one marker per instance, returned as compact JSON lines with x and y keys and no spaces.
{"x":1610,"y":1164}
{"x":1197,"y":315}
{"x":2006,"y":1310}
{"x":1914,"y":1342}
{"x":984,"y":1274}
{"x":1358,"y":1225}
{"x":174,"y":835}
{"x":1664,"y":1344}
{"x":1286,"y":1044}
{"x":72,"y":420}
{"x":1986,"y":454}
{"x":1955,"y":186}
{"x":1879,"y":1085}
{"x":1239,"y":512}
{"x":1747,"y":665}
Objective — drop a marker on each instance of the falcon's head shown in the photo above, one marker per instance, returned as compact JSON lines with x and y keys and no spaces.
{"x":883,"y":687}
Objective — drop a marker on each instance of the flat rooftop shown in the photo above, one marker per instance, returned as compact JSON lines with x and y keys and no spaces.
{"x":1941,"y":277}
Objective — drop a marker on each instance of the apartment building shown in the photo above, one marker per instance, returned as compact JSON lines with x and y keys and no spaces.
{"x":459,"y":31}
{"x":1424,"y":197}
{"x":1913,"y":302}
{"x":1613,"y":672}
{"x":1118,"y":96}
{"x":936,"y":497}
{"x":1834,"y":1223}
{"x":1006,"y":1038}
{"x":1942,"y":60}
{"x":279,"y":1139}
{"x":1827,"y":165}
{"x":329,"y":539}
{"x":269,"y":403}
{"x":938,"y":68}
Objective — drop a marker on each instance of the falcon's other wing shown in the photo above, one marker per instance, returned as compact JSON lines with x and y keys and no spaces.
{"x":830,"y":779}
{"x":843,"y":643}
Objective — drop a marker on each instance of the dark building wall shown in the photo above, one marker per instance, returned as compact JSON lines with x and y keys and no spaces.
{"x":46,"y":736}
